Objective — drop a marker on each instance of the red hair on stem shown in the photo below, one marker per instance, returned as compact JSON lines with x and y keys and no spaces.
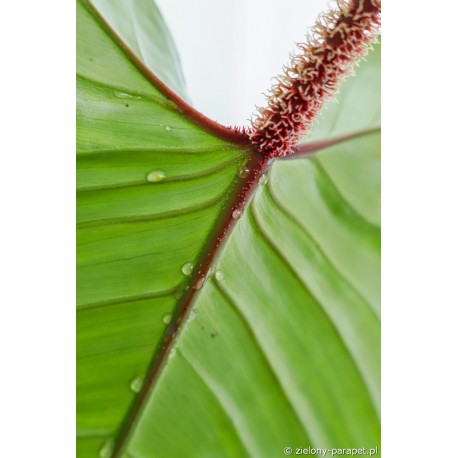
{"x":339,"y":39}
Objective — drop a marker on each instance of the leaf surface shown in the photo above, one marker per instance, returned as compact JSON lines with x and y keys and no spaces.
{"x":134,"y":235}
{"x":140,"y":25}
{"x":284,"y":349}
{"x":281,"y":346}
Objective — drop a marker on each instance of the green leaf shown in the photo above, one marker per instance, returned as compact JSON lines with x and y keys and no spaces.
{"x":140,"y":25}
{"x":281,"y":345}
{"x":284,"y":349}
{"x":357,"y":108}
{"x":133,"y":235}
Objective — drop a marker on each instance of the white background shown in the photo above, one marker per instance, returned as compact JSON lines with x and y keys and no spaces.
{"x":420,"y":193}
{"x":231,"y":49}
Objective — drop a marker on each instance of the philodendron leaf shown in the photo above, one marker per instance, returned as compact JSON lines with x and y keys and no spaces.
{"x":280,"y":347}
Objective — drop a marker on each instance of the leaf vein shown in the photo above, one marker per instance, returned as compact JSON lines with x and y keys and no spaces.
{"x":293,"y":219}
{"x":269,"y":242}
{"x":125,"y":299}
{"x":226,"y":295}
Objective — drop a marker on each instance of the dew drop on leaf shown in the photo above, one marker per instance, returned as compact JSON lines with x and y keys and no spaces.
{"x":155,"y":176}
{"x":262,"y":180}
{"x":107,"y":449}
{"x":219,"y":275}
{"x":168,"y":128}
{"x":244,"y":172}
{"x":187,"y":268}
{"x":167,"y":318}
{"x":236,"y":214}
{"x":124,"y":95}
{"x":136,"y":384}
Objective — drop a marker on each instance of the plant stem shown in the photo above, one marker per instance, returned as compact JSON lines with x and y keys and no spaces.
{"x":338,"y":41}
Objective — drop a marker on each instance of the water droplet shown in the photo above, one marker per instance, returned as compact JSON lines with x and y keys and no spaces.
{"x":187,"y":268}
{"x":107,"y":449}
{"x":236,"y":214}
{"x":155,"y":176}
{"x":167,"y":318}
{"x":172,"y":352}
{"x":219,"y":275}
{"x":125,"y":95}
{"x":262,"y":179}
{"x":136,"y":384}
{"x":168,"y":128}
{"x":244,"y":172}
